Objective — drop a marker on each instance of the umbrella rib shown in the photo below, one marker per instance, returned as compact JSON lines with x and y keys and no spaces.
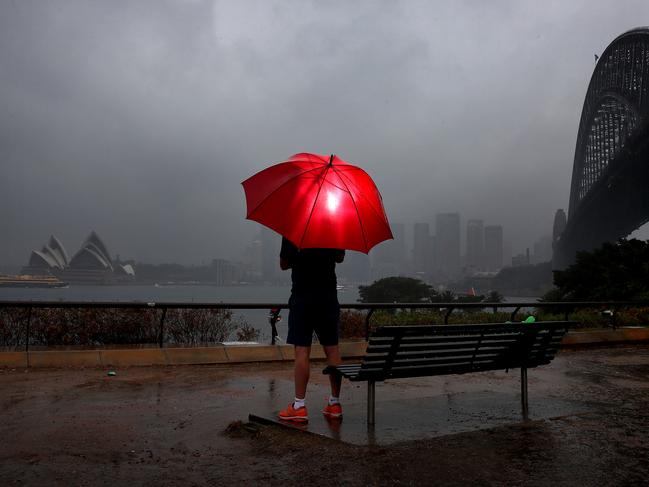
{"x":281,"y":186}
{"x":315,"y":201}
{"x":381,"y":216}
{"x":351,"y":195}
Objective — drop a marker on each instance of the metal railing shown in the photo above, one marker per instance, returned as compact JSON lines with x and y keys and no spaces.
{"x":608,"y":309}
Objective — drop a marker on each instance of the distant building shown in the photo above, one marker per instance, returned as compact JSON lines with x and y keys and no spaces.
{"x":253,"y":261}
{"x":520,"y":260}
{"x":447,"y":245}
{"x":493,"y":244}
{"x":51,"y":256}
{"x":225,"y":273}
{"x":475,"y":245}
{"x":91,"y":264}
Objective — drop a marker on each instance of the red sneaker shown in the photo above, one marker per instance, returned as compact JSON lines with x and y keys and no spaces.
{"x":291,"y":414}
{"x":333,"y":410}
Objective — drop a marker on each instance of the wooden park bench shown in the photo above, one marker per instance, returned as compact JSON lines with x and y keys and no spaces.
{"x":395,"y":352}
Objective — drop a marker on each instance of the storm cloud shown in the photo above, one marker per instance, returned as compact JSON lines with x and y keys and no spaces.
{"x":140,"y":119}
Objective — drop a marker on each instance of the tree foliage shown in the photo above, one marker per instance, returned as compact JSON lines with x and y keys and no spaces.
{"x":410,"y":290}
{"x":395,"y":290}
{"x":613,"y":272}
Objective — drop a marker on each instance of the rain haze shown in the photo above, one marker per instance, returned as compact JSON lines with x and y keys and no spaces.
{"x":139,"y":120}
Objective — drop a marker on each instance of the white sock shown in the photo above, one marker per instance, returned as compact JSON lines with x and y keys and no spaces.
{"x":298,"y":403}
{"x":333,"y":400}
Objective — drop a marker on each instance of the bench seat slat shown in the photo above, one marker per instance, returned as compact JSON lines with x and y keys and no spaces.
{"x":403,"y":355}
{"x":444,"y":339}
{"x":427,"y":370}
{"x":460,"y":329}
{"x":436,"y":347}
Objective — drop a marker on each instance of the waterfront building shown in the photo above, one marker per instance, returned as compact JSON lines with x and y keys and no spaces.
{"x":91,"y":264}
{"x":51,"y":256}
{"x":225,"y":272}
{"x":253,"y":261}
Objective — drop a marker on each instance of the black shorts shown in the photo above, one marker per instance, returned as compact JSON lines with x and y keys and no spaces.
{"x":313,"y":313}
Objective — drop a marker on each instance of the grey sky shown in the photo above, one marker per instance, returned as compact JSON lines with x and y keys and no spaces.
{"x":140,"y":119}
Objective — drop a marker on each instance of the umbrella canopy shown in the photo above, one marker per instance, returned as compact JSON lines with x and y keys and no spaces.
{"x":318,"y":202}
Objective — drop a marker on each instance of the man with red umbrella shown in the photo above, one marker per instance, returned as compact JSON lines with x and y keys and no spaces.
{"x":313,"y":308}
{"x":320,"y":205}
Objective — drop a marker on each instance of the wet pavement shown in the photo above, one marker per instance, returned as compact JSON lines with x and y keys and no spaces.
{"x":399,"y":420}
{"x":589,"y":410}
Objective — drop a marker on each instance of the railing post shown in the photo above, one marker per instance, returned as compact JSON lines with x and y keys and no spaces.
{"x":448,"y":313}
{"x":613,"y":317}
{"x":367,"y":323}
{"x":162,"y":330}
{"x":28,"y":329}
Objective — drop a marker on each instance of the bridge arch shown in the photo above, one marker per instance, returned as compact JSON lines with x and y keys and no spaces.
{"x":609,"y":193}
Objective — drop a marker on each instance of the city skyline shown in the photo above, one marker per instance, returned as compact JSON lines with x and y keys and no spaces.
{"x":402,"y":255}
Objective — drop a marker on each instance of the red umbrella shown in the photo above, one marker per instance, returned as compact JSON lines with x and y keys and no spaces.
{"x":318,"y":202}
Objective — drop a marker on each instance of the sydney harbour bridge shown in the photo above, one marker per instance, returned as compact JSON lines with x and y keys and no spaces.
{"x":609,"y":193}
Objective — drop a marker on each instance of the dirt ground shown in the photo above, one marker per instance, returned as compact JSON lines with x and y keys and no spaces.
{"x":188,"y":426}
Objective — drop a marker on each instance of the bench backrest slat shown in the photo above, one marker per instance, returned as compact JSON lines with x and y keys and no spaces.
{"x":410,"y":351}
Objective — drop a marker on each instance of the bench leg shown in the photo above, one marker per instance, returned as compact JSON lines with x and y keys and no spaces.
{"x":524,"y":393}
{"x":370,"y":402}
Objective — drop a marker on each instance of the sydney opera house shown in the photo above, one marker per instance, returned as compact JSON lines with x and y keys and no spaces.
{"x":90,"y":265}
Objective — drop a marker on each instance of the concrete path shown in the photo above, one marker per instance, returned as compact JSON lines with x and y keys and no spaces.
{"x":165,"y":425}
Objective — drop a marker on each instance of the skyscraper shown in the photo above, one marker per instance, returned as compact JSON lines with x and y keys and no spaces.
{"x":475,"y":244}
{"x":493,"y":244}
{"x":447,"y":245}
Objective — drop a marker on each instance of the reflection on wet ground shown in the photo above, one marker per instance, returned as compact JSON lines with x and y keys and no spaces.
{"x":400,"y":420}
{"x":149,"y":419}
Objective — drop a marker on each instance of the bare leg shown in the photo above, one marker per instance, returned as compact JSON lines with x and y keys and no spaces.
{"x":333,"y":358}
{"x":302,"y":370}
